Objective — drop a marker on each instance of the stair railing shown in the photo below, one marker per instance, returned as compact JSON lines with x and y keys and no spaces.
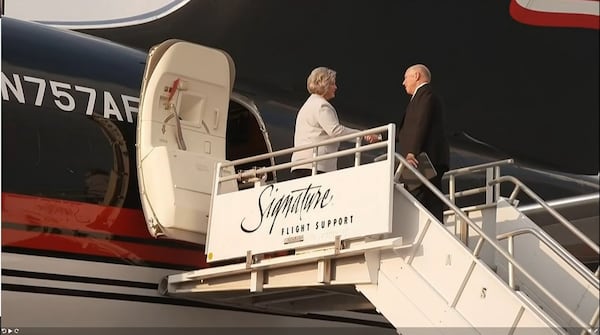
{"x":359,"y":148}
{"x":554,"y":246}
{"x":543,"y":237}
{"x":492,"y":193}
{"x":588,"y":328}
{"x":520,"y":186}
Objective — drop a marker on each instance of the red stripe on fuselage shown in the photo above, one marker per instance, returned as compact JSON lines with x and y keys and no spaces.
{"x":88,"y":229}
{"x":73,"y":215}
{"x":553,"y":18}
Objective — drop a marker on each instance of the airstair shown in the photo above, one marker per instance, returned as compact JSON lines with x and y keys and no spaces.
{"x":351,"y":239}
{"x":356,"y":239}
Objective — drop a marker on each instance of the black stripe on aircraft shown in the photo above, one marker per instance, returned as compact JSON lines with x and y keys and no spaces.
{"x":96,"y":258}
{"x":78,"y":279}
{"x":100,"y":236}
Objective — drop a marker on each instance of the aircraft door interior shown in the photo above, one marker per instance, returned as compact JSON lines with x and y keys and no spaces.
{"x":189,"y":121}
{"x":181,"y":129}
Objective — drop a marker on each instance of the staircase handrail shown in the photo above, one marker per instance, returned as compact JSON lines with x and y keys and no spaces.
{"x":479,"y":167}
{"x":520,"y":186}
{"x":556,"y":248}
{"x":492,"y":170}
{"x":389,"y":129}
{"x":482,"y":236}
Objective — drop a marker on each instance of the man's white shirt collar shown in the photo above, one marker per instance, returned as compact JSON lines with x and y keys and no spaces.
{"x":416,"y":89}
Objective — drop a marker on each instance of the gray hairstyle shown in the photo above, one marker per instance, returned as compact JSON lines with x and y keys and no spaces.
{"x":422,"y":69}
{"x":319,"y":80}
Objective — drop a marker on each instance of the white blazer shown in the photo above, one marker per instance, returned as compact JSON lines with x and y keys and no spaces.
{"x":317,"y":120}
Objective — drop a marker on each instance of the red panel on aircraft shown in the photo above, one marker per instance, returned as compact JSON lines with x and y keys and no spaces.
{"x":92,"y":230}
{"x":553,"y":18}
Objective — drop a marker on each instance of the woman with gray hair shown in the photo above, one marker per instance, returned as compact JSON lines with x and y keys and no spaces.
{"x":317,"y":121}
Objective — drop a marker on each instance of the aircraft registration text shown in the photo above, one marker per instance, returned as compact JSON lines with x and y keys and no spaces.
{"x":68,"y":97}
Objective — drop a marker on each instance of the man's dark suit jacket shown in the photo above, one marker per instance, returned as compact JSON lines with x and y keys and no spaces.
{"x":422,"y":129}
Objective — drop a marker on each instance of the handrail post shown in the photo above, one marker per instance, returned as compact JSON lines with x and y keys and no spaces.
{"x":488,"y":216}
{"x":511,"y":252}
{"x":452,"y":194}
{"x":314,"y":164}
{"x":464,"y":231}
{"x":489,"y":189}
{"x":513,"y":195}
{"x":497,"y":186}
{"x":452,"y":189}
{"x":593,"y":320}
{"x":357,"y":154}
{"x":391,"y":147}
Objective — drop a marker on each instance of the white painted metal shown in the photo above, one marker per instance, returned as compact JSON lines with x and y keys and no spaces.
{"x":431,"y":280}
{"x":90,"y":14}
{"x":302,"y":212}
{"x":123,"y":308}
{"x":553,"y":272}
{"x":445,"y":282}
{"x":181,"y":136}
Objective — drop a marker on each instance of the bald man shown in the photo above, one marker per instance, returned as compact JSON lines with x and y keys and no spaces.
{"x":422,"y":130}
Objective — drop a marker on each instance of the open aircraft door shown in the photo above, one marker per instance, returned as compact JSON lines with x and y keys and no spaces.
{"x":181,"y":132}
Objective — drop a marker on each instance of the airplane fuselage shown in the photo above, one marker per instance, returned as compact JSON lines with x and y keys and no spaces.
{"x":73,"y":231}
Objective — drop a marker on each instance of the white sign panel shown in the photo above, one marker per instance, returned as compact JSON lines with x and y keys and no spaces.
{"x":302,"y":212}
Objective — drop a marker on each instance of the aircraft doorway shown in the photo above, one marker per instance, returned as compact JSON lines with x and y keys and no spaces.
{"x":246,"y":134}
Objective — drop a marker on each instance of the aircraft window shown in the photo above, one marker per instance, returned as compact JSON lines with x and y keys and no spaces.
{"x":60,"y":155}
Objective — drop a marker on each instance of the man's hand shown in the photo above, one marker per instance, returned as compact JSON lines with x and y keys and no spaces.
{"x":372,"y":138}
{"x":412,"y":160}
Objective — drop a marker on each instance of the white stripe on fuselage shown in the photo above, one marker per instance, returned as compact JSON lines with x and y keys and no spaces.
{"x":39,"y":308}
{"x":69,"y":267}
{"x":91,"y":14}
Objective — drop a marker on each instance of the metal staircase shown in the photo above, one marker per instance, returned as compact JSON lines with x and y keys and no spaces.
{"x":357,"y":239}
{"x":555,"y":281}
